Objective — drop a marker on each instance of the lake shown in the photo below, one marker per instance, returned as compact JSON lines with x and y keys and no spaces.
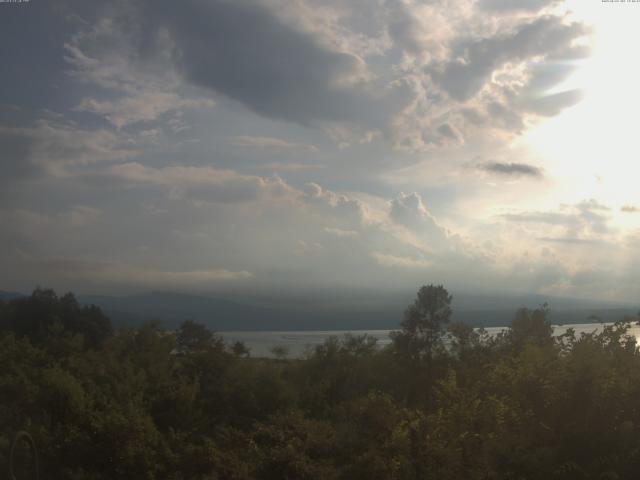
{"x":261,"y":343}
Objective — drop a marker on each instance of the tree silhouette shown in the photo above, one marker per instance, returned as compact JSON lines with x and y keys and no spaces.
{"x":423,"y":324}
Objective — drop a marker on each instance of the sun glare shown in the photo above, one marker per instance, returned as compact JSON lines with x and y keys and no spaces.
{"x":592,"y":149}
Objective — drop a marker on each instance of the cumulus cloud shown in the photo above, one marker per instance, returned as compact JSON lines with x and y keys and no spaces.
{"x":420,"y":228}
{"x":409,"y":210}
{"x":630,"y":209}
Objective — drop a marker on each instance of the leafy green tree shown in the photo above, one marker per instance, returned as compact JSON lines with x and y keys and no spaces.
{"x":423,"y":324}
{"x":36,"y":316}
{"x":240,"y":349}
{"x":281,"y":352}
{"x":443,"y":401}
{"x":531,"y":327}
{"x":194,"y":337}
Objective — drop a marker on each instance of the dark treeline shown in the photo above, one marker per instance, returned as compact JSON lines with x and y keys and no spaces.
{"x":443,"y":401}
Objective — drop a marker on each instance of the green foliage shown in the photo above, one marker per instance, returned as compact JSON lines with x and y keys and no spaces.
{"x":195,"y":337}
{"x":423,"y":324}
{"x":44,"y":315}
{"x":240,"y":349}
{"x":531,"y":327}
{"x":443,"y":401}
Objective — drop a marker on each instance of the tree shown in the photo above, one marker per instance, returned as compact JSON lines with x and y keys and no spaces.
{"x":239,"y":349}
{"x":281,"y":352}
{"x":531,"y":327}
{"x":423,"y":324}
{"x":43,"y":314}
{"x":194,"y":337}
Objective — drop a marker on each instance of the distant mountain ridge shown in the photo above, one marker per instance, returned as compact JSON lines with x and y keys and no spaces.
{"x":6,"y":296}
{"x":229,"y":315}
{"x":325,"y":313}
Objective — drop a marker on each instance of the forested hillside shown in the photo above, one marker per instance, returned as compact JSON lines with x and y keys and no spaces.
{"x":443,"y":401}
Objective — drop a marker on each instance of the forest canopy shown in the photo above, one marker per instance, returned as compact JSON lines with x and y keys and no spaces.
{"x":442,"y":401}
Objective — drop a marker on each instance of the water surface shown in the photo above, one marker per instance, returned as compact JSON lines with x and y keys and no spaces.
{"x":261,"y":343}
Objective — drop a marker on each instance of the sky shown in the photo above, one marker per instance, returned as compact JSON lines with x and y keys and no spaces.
{"x":301,"y":145}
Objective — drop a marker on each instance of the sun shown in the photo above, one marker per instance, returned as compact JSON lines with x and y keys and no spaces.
{"x":592,"y":150}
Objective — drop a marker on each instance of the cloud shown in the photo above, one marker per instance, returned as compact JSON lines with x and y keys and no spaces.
{"x":65,"y":272}
{"x":394,"y":261}
{"x":204,"y":183}
{"x":512,"y":169}
{"x":419,"y":228}
{"x":16,"y":146}
{"x":134,"y":89}
{"x":245,"y":52}
{"x":338,"y":232}
{"x":630,"y":209}
{"x":82,"y":215}
{"x":342,"y":84}
{"x":412,"y":73}
{"x":515,"y":5}
{"x":409,"y":211}
{"x":551,"y":218}
{"x":53,"y":146}
{"x":584,"y":222}
{"x":551,"y":105}
{"x":145,"y":106}
{"x":449,"y":132}
{"x":269,"y":143}
{"x":211,"y":185}
{"x":348,"y":211}
{"x":150,"y":278}
{"x":473,"y":62}
{"x":571,"y":240}
{"x":289,"y":166}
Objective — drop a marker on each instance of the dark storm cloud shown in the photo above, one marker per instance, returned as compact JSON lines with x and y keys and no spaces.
{"x":546,"y":35}
{"x":241,"y":50}
{"x":512,"y":169}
